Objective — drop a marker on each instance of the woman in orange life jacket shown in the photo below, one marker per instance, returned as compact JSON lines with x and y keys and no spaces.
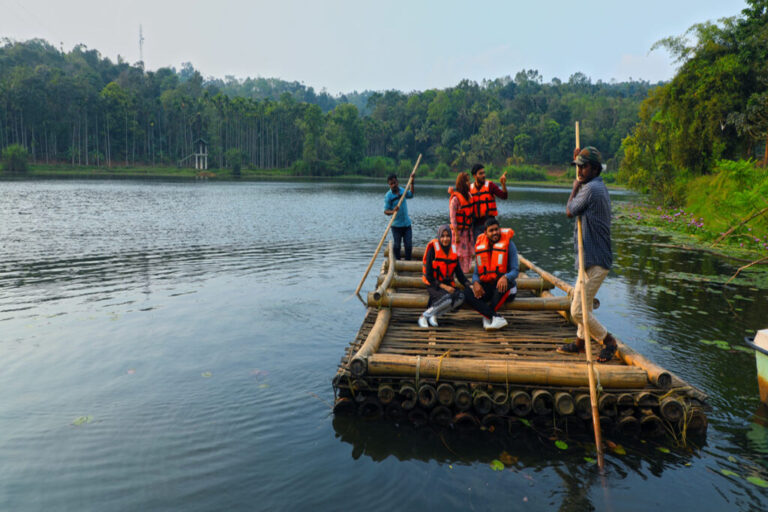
{"x":496,"y":269}
{"x":461,"y":212}
{"x":440,"y":267}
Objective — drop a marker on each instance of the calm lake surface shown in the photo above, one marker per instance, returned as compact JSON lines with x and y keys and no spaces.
{"x":170,"y":346}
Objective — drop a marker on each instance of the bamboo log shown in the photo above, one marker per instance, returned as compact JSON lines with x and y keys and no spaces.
{"x":564,"y":404}
{"x":697,"y":421}
{"x":482,"y":402}
{"x":542,"y":402}
{"x":520,"y":401}
{"x":445,"y":394}
{"x":523,"y":283}
{"x":358,"y":388}
{"x":419,"y":301}
{"x":385,"y":283}
{"x":556,"y":281}
{"x":358,"y":365}
{"x":606,"y":404}
{"x":656,"y":374}
{"x":370,"y":408}
{"x":427,"y":396}
{"x":386,"y":393}
{"x":500,"y":402}
{"x":463,"y":398}
{"x":672,"y":409}
{"x":651,"y":426}
{"x":493,"y":422}
{"x":408,"y":266}
{"x":625,"y":404}
{"x":583,"y":406}
{"x":465,"y":421}
{"x":408,"y":392}
{"x":646,"y":399}
{"x":344,"y":406}
{"x":628,"y":426}
{"x":541,"y":373}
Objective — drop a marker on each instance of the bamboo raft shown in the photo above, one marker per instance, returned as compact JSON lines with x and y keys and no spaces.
{"x":460,"y":376}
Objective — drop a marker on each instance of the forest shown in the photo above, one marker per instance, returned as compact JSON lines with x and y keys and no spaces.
{"x":81,"y":109}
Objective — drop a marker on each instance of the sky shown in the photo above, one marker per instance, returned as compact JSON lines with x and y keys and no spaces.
{"x":353,"y":45}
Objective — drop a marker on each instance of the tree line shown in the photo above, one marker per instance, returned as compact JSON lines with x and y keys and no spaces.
{"x":80,"y":108}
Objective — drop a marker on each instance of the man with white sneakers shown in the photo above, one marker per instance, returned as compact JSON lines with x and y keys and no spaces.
{"x":496,"y":270}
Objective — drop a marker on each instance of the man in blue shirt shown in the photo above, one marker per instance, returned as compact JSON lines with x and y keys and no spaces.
{"x":589,"y":199}
{"x":401,"y":226}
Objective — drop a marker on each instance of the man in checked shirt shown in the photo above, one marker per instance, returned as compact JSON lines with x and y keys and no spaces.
{"x":589,"y":199}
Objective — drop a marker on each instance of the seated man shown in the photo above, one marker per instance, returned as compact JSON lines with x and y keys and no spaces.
{"x":496,"y":269}
{"x":439,"y":268}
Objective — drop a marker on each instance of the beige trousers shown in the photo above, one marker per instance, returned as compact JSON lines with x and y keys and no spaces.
{"x":594,"y":278}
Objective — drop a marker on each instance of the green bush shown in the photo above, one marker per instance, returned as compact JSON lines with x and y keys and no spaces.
{"x":15,"y":158}
{"x":377,"y":166}
{"x":525,"y":173}
{"x":442,"y":171}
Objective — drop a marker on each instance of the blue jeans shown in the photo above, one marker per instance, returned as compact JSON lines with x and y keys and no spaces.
{"x":398,"y":236}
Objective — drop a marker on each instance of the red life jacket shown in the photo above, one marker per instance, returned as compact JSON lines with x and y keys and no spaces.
{"x":465,"y":212}
{"x":492,"y":258}
{"x":483,"y":200}
{"x":443,"y":264}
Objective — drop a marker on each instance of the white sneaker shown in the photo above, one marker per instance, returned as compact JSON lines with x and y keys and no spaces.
{"x":423,"y":322}
{"x":496,"y":323}
{"x":486,"y":323}
{"x":432,"y":321}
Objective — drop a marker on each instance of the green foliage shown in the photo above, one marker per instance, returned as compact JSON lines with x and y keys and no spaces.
{"x":84,"y":110}
{"x":525,"y":173}
{"x":235,"y":158}
{"x":442,"y":171}
{"x":714,"y":108}
{"x":377,"y":166}
{"x":15,"y":158}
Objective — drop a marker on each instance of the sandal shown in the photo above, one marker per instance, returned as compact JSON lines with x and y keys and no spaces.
{"x":607,"y":353}
{"x":576,"y":347}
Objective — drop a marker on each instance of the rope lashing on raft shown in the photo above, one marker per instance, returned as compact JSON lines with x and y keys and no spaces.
{"x":439,"y":363}
{"x":418,"y":366}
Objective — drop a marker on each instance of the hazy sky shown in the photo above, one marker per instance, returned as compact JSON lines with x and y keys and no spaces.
{"x":346,"y":45}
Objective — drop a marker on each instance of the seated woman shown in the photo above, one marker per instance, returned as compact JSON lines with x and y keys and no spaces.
{"x":439,"y":268}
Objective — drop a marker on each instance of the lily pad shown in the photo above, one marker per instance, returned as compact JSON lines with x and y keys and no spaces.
{"x":663,"y":449}
{"x":590,"y":460}
{"x":497,"y":465}
{"x":507,"y":459}
{"x":728,"y":472}
{"x":82,"y":420}
{"x":561,"y":444}
{"x":746,"y":350}
{"x":619,"y":450}
{"x":757,"y":481}
{"x":525,"y":422}
{"x":206,"y":374}
{"x":731,"y":458}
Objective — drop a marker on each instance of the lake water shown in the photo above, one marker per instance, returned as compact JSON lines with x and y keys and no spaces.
{"x":170,"y":346}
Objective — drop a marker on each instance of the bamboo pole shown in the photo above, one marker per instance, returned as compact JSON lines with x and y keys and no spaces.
{"x":358,"y":363}
{"x":413,"y":300}
{"x":389,"y":224}
{"x":390,"y":273}
{"x":538,"y":373}
{"x":556,"y":281}
{"x":523,"y":283}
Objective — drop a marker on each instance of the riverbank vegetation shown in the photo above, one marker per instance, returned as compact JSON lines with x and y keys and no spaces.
{"x":80,"y":109}
{"x":701,"y":146}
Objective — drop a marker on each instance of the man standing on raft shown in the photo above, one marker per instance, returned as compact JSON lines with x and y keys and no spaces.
{"x":401,"y":226}
{"x":496,"y":270}
{"x":439,"y":268}
{"x":589,"y":199}
{"x":484,"y":193}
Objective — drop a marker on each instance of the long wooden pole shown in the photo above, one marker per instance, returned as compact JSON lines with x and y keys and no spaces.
{"x":389,"y":224}
{"x":588,"y":338}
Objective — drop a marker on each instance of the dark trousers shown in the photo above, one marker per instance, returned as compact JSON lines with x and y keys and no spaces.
{"x":492,"y":298}
{"x":400,"y":235}
{"x":486,"y":306}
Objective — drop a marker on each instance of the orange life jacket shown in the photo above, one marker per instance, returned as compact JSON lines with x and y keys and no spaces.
{"x":492,"y":258}
{"x":465,"y":212}
{"x":443,"y":265}
{"x":483,"y":200}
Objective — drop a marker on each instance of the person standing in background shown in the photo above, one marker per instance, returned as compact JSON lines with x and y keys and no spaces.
{"x":401,"y":227}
